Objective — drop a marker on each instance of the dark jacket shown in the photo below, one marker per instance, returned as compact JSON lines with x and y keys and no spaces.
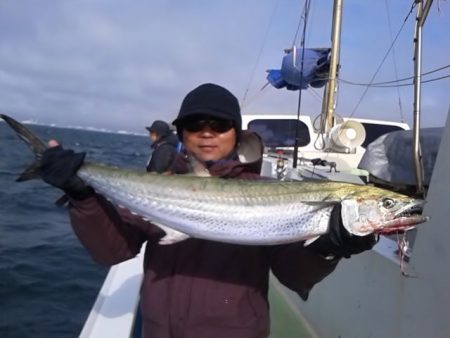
{"x":163,"y":154}
{"x":197,"y":288}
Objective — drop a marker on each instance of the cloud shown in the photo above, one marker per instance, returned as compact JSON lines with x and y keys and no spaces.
{"x":119,"y":65}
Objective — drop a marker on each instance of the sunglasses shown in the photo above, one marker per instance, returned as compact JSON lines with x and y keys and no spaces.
{"x":215,"y":124}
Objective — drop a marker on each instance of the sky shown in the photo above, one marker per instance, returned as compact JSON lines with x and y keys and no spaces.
{"x":119,"y":65}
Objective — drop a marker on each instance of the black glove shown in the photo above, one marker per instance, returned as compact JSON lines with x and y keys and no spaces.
{"x":59,"y":168}
{"x":338,"y":242}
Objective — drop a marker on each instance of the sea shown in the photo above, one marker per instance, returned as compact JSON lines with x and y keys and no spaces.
{"x":48,"y":282}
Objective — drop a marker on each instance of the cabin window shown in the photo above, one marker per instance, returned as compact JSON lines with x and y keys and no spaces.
{"x":280,"y":133}
{"x":373,"y":131}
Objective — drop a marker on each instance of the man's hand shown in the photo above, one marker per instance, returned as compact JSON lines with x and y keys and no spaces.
{"x":59,"y":167}
{"x":338,"y":242}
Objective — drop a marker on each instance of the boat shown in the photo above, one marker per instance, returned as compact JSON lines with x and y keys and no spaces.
{"x":296,"y":146}
{"x":395,"y":291}
{"x":367,"y":295}
{"x":337,"y":164}
{"x":371,"y":290}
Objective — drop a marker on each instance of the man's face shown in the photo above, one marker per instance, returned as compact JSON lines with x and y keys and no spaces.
{"x":208,"y":138}
{"x":153,"y":136}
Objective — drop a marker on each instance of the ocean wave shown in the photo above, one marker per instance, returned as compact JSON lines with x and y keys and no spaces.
{"x":48,"y":280}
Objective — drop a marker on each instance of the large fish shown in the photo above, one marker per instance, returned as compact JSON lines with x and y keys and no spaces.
{"x":241,"y":211}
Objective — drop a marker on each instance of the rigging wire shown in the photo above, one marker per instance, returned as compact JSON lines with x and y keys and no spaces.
{"x":302,"y":45}
{"x":303,"y":17}
{"x":379,"y":84}
{"x":408,"y":84}
{"x":383,"y":60}
{"x":266,"y":34}
{"x":266,"y":88}
{"x":315,"y":94}
{"x":384,"y":83}
{"x":394,"y":59}
{"x":255,"y":96}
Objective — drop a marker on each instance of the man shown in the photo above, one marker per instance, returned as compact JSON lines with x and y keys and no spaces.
{"x":164,"y":146}
{"x":198,"y":288}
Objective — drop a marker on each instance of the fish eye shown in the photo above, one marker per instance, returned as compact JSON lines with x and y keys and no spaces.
{"x":388,"y":203}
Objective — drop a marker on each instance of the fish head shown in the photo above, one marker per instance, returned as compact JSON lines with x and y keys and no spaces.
{"x":381,"y":213}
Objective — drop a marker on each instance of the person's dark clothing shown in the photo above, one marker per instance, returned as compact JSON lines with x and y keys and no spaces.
{"x":163,"y":154}
{"x":198,"y":288}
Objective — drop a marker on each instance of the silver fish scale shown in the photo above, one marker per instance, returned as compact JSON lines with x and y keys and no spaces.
{"x":190,"y":205}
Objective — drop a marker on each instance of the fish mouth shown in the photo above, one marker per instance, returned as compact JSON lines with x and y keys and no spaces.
{"x":402,"y":224}
{"x":411,"y":209}
{"x":406,"y":218}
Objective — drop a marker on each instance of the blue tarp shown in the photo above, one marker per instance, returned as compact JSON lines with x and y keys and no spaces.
{"x":316,"y":65}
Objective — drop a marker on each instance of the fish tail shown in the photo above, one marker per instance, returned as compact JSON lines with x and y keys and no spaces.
{"x":34,"y":143}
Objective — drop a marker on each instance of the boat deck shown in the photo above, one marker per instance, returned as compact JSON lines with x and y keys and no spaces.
{"x":286,"y":320}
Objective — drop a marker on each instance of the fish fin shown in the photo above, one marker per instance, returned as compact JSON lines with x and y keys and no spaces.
{"x":319,"y":205}
{"x":62,"y":201}
{"x":198,"y":168}
{"x":30,"y":173}
{"x":34,"y":143}
{"x":310,"y":241}
{"x":172,"y":236}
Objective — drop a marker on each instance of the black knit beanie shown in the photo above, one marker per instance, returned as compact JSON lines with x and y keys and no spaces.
{"x":211,"y":100}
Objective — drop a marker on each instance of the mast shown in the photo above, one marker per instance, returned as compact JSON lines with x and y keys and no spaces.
{"x":331,"y":87}
{"x":423,"y":8}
